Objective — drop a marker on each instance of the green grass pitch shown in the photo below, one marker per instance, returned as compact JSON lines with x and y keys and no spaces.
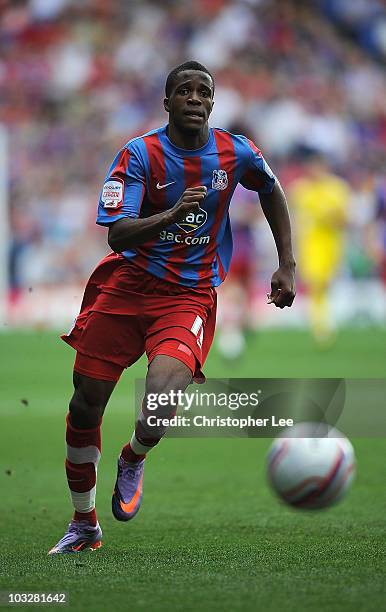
{"x":210,"y":535}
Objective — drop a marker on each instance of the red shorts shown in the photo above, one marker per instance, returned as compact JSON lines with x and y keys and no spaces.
{"x":126,"y":312}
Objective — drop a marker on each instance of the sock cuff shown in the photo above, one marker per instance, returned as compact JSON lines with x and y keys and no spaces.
{"x":137,"y":447}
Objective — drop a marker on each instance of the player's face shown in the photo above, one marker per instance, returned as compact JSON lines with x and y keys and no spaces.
{"x":191,"y":100}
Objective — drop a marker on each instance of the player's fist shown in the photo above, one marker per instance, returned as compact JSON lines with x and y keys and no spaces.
{"x":282,"y":286}
{"x":188,"y":202}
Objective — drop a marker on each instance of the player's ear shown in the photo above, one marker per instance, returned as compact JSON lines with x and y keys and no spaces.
{"x":166,"y":104}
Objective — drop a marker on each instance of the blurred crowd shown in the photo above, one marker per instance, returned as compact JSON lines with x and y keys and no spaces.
{"x":79,"y":79}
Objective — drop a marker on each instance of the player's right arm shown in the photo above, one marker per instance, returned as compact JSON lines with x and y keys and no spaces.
{"x":128,"y":233}
{"x":121,"y":200}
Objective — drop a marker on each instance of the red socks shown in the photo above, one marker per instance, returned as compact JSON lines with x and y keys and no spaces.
{"x":83,"y":454}
{"x":130,"y":456}
{"x":90,"y":517}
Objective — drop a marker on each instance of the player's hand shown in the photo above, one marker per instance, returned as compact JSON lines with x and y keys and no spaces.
{"x":188,"y":202}
{"x":283,"y":286}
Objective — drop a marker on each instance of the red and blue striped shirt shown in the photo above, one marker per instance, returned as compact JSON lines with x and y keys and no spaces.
{"x":149,"y":175}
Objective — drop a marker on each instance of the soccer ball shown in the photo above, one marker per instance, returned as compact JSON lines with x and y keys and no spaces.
{"x":311,"y":465}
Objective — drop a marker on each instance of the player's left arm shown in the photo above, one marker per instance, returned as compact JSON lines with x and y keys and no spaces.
{"x":258,"y":176}
{"x":274,"y":206}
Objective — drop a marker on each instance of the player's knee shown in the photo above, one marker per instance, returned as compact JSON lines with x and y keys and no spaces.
{"x":86,"y":407}
{"x":166,"y":373}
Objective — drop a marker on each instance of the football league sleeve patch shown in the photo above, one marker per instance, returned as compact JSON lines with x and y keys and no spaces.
{"x":123,"y":190}
{"x":112,"y":193}
{"x":258,"y":176}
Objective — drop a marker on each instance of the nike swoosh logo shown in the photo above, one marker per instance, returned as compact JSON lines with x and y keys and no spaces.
{"x":166,"y":185}
{"x":129,"y":507}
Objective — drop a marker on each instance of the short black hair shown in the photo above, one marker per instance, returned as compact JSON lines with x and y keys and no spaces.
{"x":190,"y":65}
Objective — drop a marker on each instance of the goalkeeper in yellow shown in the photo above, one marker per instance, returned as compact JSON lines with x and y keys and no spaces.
{"x":320,"y":201}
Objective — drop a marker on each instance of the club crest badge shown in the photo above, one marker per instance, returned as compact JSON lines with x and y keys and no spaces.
{"x":219,"y":180}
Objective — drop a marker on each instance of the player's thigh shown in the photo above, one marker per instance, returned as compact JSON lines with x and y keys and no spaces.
{"x":107,"y":344}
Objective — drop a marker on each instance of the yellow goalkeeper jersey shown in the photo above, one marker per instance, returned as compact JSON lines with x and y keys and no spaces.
{"x":320,"y":206}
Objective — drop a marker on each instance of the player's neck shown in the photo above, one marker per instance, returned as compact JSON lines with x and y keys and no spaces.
{"x":183,"y":140}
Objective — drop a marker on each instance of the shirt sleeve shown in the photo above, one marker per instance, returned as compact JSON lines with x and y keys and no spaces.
{"x":123,"y":190}
{"x":257,"y":176}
